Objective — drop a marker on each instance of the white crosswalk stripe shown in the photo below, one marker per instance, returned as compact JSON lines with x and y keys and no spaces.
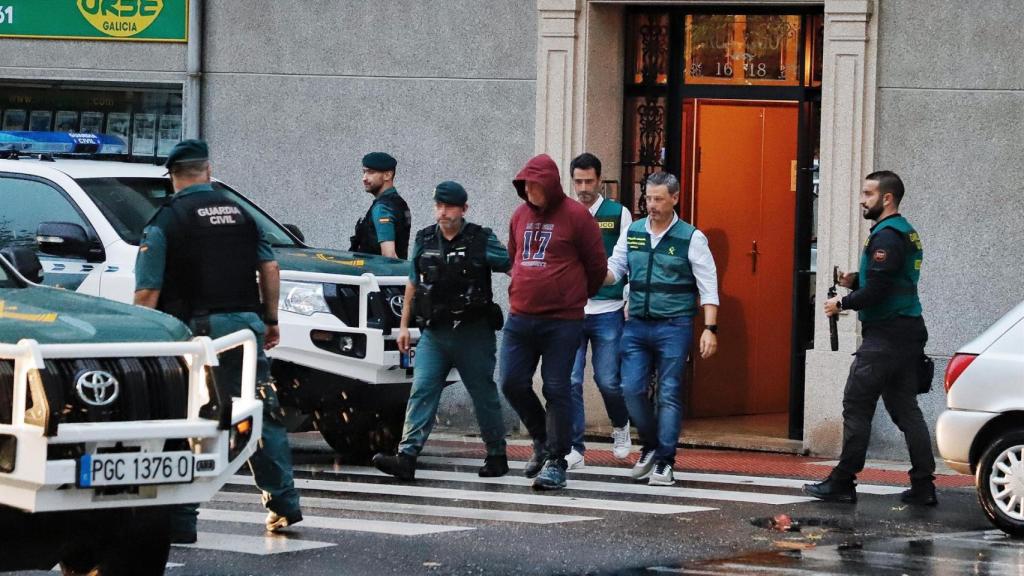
{"x":760,"y":481}
{"x":352,"y":499}
{"x":591,"y":486}
{"x":417,"y":509}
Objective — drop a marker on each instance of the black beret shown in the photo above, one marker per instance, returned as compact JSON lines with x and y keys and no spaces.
{"x":187,"y":151}
{"x":380,"y":161}
{"x":450,"y":193}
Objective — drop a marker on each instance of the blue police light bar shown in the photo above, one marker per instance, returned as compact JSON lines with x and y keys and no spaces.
{"x":62,"y":143}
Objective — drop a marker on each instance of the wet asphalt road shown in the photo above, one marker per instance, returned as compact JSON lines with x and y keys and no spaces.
{"x":448,"y":522}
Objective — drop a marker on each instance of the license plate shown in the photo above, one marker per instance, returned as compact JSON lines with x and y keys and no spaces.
{"x":132,"y":468}
{"x":407,"y":359}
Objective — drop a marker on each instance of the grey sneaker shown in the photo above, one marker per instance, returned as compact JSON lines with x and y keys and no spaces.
{"x":643,"y":466}
{"x":552,"y":476}
{"x":662,"y":475}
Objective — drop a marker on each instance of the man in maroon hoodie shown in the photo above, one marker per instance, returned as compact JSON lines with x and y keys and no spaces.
{"x":558,"y":261}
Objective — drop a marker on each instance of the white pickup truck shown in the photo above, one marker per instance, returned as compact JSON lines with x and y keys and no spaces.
{"x":103,"y":426}
{"x":337,"y":366}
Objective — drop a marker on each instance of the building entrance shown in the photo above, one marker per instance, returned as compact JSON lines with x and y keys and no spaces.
{"x":728,"y":102}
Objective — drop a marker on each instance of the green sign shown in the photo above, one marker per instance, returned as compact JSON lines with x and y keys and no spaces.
{"x":124,"y":20}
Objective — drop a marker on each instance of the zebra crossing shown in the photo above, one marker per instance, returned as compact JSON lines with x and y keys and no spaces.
{"x":448,"y":499}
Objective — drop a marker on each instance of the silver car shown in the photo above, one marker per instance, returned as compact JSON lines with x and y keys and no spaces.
{"x":982,"y":430}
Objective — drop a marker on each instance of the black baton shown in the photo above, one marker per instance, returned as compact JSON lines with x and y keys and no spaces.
{"x":833,"y":320}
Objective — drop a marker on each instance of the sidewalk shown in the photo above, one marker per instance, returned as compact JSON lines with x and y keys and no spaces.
{"x":689,"y":460}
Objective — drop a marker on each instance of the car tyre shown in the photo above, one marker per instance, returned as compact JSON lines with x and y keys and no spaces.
{"x":357,"y":435}
{"x":1000,"y":482}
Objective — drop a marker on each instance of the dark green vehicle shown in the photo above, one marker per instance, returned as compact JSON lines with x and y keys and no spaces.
{"x":100,"y":426}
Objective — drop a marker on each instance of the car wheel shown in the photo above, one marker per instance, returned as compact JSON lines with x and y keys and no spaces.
{"x":357,"y":435}
{"x":1000,"y":482}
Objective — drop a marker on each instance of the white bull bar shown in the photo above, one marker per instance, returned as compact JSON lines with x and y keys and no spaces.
{"x":37,"y":484}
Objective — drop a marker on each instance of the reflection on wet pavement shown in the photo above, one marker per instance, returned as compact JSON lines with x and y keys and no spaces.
{"x":980,"y":553}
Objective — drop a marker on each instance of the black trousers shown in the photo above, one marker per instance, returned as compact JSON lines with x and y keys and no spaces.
{"x":890,"y":372}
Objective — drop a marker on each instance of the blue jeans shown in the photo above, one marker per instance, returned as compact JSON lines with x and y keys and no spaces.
{"x":603,"y":332}
{"x":661,"y":344}
{"x":528,"y":339}
{"x":470,"y":349}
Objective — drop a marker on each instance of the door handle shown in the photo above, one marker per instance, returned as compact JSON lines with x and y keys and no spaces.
{"x":753,"y":255}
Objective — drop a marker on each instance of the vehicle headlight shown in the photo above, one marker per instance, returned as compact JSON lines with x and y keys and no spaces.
{"x":303,"y":298}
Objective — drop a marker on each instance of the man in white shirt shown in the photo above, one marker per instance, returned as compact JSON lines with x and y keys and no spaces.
{"x":669,"y":265}
{"x":602,"y":325}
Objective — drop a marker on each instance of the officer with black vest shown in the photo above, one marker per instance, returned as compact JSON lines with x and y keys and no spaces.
{"x":198,"y":260}
{"x":449,"y":297}
{"x":893,"y":338}
{"x":385,"y":227}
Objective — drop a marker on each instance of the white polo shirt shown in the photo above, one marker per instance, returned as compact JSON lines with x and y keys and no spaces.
{"x":605,"y":306}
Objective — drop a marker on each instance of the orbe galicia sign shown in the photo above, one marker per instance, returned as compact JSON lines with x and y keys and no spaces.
{"x":131,"y":20}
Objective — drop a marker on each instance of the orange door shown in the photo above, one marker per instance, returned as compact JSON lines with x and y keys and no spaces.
{"x":745,"y":202}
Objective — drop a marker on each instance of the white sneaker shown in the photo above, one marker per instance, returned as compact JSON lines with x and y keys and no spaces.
{"x":642,"y":468}
{"x":621,"y":442}
{"x":574,"y":460}
{"x":662,"y":476}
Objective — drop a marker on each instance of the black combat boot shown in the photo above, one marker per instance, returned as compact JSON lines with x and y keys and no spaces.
{"x":920,"y":494}
{"x":401,"y":466}
{"x":494,"y":466}
{"x":833,"y":490}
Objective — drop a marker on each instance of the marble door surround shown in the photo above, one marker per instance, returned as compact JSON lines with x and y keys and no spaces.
{"x":579,"y":97}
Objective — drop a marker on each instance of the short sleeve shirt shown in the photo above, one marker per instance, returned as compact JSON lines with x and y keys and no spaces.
{"x":497,"y":255}
{"x":152,"y":258}
{"x":384,"y":218}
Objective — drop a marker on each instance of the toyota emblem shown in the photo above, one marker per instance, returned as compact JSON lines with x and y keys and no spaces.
{"x":97,"y":388}
{"x":396,"y":304}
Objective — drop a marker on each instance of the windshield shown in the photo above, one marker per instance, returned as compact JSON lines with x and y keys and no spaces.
{"x":129,"y":203}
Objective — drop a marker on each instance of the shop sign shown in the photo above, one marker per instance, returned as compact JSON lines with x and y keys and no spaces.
{"x":124,"y":20}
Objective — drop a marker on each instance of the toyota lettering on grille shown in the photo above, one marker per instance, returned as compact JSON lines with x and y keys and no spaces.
{"x":97,"y":387}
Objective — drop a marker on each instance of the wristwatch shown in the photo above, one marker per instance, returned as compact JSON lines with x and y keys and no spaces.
{"x":713,"y":328}
{"x":270,"y":322}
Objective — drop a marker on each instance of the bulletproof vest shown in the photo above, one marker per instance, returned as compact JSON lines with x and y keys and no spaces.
{"x":903,"y":299}
{"x":662,"y":284}
{"x":365,"y":239}
{"x":454,"y":284}
{"x":609,"y":221}
{"x":211,"y":257}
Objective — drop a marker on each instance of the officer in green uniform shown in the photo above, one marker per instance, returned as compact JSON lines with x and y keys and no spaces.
{"x":198,"y":261}
{"x":385,"y":227}
{"x":449,"y":296}
{"x":893,"y":338}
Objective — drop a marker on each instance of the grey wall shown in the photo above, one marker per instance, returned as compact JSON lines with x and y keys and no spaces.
{"x":951,"y":123}
{"x":293,"y":99}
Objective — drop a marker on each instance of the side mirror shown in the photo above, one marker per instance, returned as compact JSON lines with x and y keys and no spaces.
{"x":63,"y":239}
{"x":296,"y":232}
{"x":25,"y":261}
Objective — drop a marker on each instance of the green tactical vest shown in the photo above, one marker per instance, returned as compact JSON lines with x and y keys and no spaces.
{"x":903,"y":301}
{"x":662,"y":284}
{"x":609,"y":220}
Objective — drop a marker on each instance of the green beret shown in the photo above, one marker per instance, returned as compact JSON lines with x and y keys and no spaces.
{"x":188,"y":151}
{"x":379,"y":161}
{"x":450,"y":193}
